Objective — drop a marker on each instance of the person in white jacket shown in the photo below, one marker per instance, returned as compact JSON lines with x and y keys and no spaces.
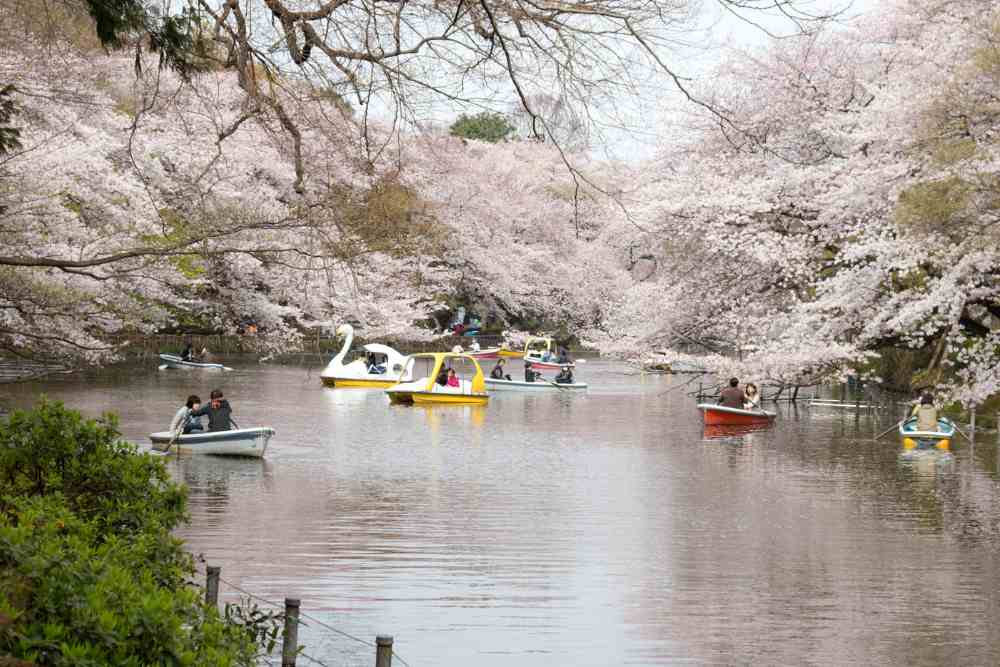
{"x":183,"y":422}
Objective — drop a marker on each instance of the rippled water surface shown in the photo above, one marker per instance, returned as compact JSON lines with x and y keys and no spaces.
{"x":598,"y":529}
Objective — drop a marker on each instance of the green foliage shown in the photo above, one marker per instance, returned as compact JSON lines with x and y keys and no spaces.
{"x":9,"y":135}
{"x":485,"y":126}
{"x":89,"y":571}
{"x":172,"y":37}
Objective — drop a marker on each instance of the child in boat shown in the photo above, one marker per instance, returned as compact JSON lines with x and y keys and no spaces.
{"x":497,"y":372}
{"x":453,"y":378}
{"x":529,"y":373}
{"x":565,"y":376}
{"x":184,"y":422}
{"x":926,"y":413}
{"x":751,"y":397}
{"x":218,"y":411}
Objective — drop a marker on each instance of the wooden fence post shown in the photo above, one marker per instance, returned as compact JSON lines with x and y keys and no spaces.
{"x":383,"y":651}
{"x":212,"y":585}
{"x":290,"y":639}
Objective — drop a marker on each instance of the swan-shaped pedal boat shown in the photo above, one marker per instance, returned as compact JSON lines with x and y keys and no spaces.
{"x":358,"y":373}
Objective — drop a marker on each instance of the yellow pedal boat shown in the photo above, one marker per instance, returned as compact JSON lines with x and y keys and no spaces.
{"x":432,"y":388}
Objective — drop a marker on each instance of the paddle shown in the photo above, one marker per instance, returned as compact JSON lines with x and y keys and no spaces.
{"x":894,"y":426}
{"x":177,"y":433}
{"x":554,"y":384}
{"x":960,"y":431}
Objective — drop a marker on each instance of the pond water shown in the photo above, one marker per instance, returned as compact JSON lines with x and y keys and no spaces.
{"x":599,"y":529}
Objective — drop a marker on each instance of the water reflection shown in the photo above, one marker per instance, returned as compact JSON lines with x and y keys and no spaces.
{"x":602,"y":528}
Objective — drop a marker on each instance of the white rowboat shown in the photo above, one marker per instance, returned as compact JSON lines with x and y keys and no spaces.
{"x":174,"y":361}
{"x":237,"y":442}
{"x":539,"y":385}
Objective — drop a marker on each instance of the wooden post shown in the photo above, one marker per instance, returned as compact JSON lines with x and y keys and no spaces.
{"x":972,"y":425}
{"x":290,"y":639}
{"x":699,"y":391}
{"x":212,"y":585}
{"x":383,"y":651}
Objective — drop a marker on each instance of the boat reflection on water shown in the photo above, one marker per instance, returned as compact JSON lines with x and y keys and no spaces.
{"x":722,"y":431}
{"x":926,"y":459}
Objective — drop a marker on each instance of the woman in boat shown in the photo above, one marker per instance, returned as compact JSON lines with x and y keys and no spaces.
{"x":926,"y":413}
{"x":442,"y":378}
{"x":188,"y":353}
{"x":183,"y":420}
{"x":751,"y":397}
{"x":565,"y":376}
{"x":453,"y":378}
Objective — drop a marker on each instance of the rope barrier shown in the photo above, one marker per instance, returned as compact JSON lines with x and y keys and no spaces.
{"x":312,"y":618}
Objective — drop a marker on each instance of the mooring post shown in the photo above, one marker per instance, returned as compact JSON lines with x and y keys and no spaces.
{"x":972,"y":425}
{"x":212,"y":585}
{"x":699,"y":391}
{"x":290,"y":639}
{"x":383,"y":651}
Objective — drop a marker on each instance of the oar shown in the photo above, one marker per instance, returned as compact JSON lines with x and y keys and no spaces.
{"x":554,"y":384}
{"x":961,"y":431}
{"x":896,"y":426}
{"x":177,"y":433}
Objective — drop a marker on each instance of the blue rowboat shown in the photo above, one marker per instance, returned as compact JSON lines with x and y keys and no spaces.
{"x":917,"y":439}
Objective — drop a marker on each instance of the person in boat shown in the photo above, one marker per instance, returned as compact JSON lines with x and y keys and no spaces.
{"x":926,"y":413}
{"x":187,"y":354}
{"x":442,"y":378}
{"x":497,"y":372}
{"x":751,"y":397}
{"x":453,"y":378}
{"x":732,"y":396}
{"x":373,"y":365}
{"x":565,"y":376}
{"x":529,"y":373}
{"x":218,"y":410}
{"x":564,"y":356}
{"x":475,"y":345}
{"x":183,"y":421}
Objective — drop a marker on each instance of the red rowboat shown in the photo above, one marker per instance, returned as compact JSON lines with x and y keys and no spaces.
{"x":718,"y":414}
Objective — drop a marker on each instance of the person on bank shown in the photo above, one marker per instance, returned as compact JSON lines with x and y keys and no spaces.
{"x":218,"y":410}
{"x":732,"y":396}
{"x":565,"y":376}
{"x":751,"y":397}
{"x":529,"y":373}
{"x":184,"y":422}
{"x":926,"y":413}
{"x":497,"y":372}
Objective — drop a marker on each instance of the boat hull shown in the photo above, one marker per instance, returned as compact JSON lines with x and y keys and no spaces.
{"x":346,"y":383}
{"x":435,"y":398}
{"x":720,"y":415}
{"x":174,"y":361}
{"x":520,"y":385}
{"x":548,"y":365}
{"x":510,"y":354}
{"x":915,"y":439}
{"x":250,"y":442}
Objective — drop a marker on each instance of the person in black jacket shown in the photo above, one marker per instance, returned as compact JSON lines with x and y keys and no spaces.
{"x":497,"y":372}
{"x":529,"y":373}
{"x":218,"y":411}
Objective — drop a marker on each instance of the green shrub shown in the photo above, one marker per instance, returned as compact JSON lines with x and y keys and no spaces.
{"x":89,"y":571}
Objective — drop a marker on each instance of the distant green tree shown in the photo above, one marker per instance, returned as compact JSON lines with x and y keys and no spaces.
{"x":171,"y":36}
{"x":9,"y":135}
{"x":485,"y":126}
